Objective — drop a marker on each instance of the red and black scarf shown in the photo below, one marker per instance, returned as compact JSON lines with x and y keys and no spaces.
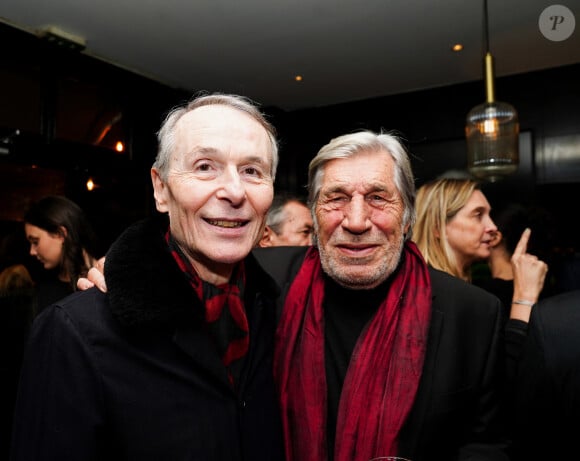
{"x":224,"y":310}
{"x":383,"y":375}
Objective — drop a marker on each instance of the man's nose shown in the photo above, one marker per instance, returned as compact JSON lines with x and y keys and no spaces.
{"x":356,"y":215}
{"x":232,"y":188}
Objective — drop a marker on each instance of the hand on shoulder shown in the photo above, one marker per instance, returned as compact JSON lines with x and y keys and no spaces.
{"x":95,"y":277}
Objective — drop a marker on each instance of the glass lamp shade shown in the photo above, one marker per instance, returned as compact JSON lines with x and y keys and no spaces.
{"x":492,"y":132}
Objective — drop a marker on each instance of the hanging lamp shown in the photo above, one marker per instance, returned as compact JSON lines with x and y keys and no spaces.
{"x":492,"y":128}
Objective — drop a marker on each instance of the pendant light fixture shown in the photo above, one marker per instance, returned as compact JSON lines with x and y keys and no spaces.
{"x":492,"y":128}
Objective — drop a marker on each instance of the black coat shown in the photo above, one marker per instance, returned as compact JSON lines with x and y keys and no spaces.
{"x":547,"y":392}
{"x":133,"y":375}
{"x":457,"y":414}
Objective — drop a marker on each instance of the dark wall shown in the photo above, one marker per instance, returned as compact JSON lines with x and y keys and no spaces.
{"x":432,"y":123}
{"x":548,"y":104}
{"x":59,"y":99}
{"x":69,"y":109}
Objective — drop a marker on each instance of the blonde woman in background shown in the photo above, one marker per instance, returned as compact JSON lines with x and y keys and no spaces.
{"x":454,"y":228}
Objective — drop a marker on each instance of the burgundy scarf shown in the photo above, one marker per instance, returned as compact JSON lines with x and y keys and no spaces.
{"x":228,"y":327}
{"x":381,"y":381}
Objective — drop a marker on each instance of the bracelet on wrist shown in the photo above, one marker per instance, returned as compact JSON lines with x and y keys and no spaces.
{"x":523,"y":302}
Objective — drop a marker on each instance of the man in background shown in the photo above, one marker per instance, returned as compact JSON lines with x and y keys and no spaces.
{"x":288,"y":223}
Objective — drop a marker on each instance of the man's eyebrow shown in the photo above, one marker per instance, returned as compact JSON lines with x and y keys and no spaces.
{"x":256,"y":159}
{"x":335,"y":187}
{"x":208,"y":150}
{"x":379,"y":187}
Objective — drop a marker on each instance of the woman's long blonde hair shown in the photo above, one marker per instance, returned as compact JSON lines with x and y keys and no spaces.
{"x":437,"y":202}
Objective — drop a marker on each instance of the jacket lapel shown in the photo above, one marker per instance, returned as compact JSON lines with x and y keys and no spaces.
{"x":423,"y":400}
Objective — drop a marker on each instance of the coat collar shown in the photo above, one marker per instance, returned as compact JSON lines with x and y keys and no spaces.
{"x":147,"y":289}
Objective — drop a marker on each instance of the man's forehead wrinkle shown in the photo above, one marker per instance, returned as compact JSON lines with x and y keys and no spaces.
{"x":201,"y":150}
{"x":368,"y":186}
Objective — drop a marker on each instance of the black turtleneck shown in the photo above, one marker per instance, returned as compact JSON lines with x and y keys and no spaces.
{"x":346,"y":312}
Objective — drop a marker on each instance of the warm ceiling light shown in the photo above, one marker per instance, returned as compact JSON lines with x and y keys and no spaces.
{"x":492,"y":129}
{"x":457,"y":47}
{"x":298,"y":78}
{"x":90,"y":184}
{"x":119,"y":147}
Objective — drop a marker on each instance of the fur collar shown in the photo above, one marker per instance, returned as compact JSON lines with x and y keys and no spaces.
{"x":147,"y":289}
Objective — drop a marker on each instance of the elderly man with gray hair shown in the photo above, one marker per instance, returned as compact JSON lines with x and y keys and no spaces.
{"x":174,"y":361}
{"x":377,"y":354}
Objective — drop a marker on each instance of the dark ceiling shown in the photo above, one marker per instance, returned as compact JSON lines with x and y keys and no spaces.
{"x":346,"y":50}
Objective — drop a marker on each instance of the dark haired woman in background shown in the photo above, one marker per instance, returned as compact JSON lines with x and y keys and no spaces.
{"x":62,"y":239}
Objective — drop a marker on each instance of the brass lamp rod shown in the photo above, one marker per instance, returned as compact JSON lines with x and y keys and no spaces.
{"x":489,"y":73}
{"x":489,"y":87}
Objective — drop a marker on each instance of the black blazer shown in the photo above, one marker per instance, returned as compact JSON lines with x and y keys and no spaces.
{"x":132,"y":374}
{"x":547,"y":391}
{"x":457,"y":410}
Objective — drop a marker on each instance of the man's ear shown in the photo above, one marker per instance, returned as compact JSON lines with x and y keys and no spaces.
{"x":266,"y":240}
{"x":159,"y":191}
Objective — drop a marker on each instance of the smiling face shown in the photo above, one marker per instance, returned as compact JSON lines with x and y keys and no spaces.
{"x":219,"y":188}
{"x":471,"y":231}
{"x":359,"y":220}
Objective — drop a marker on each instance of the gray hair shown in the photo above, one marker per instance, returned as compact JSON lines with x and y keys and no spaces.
{"x":347,"y":146}
{"x":277,"y":214}
{"x":166,"y":135}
